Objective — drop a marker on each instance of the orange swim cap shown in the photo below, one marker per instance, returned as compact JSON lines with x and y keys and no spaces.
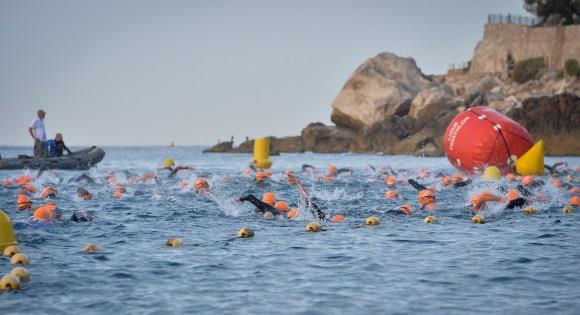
{"x":23,"y":180}
{"x":406,"y":209}
{"x":426,"y":197}
{"x":391,"y":181}
{"x":48,"y":192}
{"x":46,"y":213}
{"x":575,"y":190}
{"x":512,"y":195}
{"x":391,"y":195}
{"x":117,"y":194}
{"x":337,"y":218}
{"x":575,"y":201}
{"x":557,"y":183}
{"x":260,"y":176}
{"x":457,"y":177}
{"x":7,"y":182}
{"x":29,"y":188}
{"x":527,"y":180}
{"x":281,"y":205}
{"x":331,"y":169}
{"x":201,"y":183}
{"x":120,"y":188}
{"x":293,"y":213}
{"x":269,"y":198}
{"x":510,"y":177}
{"x":445,"y":181}
{"x":23,"y":202}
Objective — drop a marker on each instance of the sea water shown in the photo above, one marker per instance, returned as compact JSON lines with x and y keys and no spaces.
{"x":513,"y":264}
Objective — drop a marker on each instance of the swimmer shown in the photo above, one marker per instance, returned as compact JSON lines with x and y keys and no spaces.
{"x":304,"y":196}
{"x":201,"y":185}
{"x":512,"y":199}
{"x":267,"y":209}
{"x":48,"y":192}
{"x":82,"y":215}
{"x":426,"y":197}
{"x":84,"y":194}
{"x":260,"y":177}
{"x":47,"y":213}
{"x":553,"y":169}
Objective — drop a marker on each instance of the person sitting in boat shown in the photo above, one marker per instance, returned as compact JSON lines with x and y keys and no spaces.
{"x":60,"y":146}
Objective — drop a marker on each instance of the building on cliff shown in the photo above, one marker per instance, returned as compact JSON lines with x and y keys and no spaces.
{"x":510,"y":40}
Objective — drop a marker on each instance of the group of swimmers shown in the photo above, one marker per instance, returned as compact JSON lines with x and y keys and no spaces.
{"x":514,"y":192}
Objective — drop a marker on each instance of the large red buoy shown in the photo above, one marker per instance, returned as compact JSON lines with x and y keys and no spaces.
{"x":481,"y":136}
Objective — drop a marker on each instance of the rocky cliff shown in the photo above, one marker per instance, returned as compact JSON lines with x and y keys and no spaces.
{"x":388,"y":105}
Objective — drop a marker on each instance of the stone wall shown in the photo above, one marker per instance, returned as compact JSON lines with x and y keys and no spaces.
{"x":555,"y":44}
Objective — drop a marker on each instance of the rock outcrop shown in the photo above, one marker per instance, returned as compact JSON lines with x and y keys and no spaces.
{"x":389,"y":106}
{"x":382,"y":86}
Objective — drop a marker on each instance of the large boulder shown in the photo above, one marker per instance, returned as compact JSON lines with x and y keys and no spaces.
{"x":382,"y":86}
{"x":553,"y":118}
{"x":432,"y":102}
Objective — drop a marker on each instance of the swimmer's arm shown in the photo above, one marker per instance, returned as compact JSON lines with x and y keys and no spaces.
{"x":321,"y":215}
{"x":416,"y":185}
{"x":516,"y":203}
{"x":261,"y":206}
{"x":462,"y":184}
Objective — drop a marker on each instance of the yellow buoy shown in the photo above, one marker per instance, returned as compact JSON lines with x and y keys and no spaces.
{"x":529,"y":210}
{"x":20,"y":273}
{"x":568,"y":209}
{"x":7,"y":237}
{"x":245,"y":233}
{"x":372,"y":221}
{"x":478,"y":219}
{"x":313,"y":227}
{"x":19,"y":259}
{"x":491,"y":174}
{"x":9,"y":283}
{"x":91,"y":248}
{"x":169,"y":163}
{"x":262,"y":153}
{"x":430,"y":219}
{"x":173,"y":242}
{"x":532,"y":162}
{"x":11,"y":251}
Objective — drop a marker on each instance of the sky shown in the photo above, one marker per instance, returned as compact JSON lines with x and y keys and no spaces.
{"x":144,"y":72}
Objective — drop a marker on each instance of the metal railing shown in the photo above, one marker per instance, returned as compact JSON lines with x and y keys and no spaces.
{"x":459,"y":66}
{"x":512,"y":19}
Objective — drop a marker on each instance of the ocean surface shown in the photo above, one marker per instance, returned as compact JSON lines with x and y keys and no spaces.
{"x":513,"y":264}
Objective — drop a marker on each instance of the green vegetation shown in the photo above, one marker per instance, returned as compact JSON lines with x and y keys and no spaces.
{"x":566,"y":11}
{"x":572,"y":68}
{"x":528,"y":69}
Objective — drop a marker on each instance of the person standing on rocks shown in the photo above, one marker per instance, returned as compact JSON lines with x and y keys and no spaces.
{"x":38,"y":133}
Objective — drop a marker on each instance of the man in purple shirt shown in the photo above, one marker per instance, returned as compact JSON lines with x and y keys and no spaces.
{"x":38,"y":133}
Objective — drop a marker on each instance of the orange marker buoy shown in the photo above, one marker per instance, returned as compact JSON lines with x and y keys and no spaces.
{"x":120,"y":188}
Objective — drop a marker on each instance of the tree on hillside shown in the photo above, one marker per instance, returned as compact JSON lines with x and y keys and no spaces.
{"x":555,"y":12}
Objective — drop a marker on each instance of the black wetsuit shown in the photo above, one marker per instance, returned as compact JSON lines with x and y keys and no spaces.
{"x":82,"y":216}
{"x":60,"y":147}
{"x":261,"y":207}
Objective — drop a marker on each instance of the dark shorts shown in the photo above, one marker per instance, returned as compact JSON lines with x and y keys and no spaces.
{"x":40,"y":150}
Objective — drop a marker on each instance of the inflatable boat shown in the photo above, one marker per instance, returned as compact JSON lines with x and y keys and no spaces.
{"x":78,"y":160}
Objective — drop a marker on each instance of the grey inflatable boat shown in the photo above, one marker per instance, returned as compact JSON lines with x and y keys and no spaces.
{"x":78,"y":160}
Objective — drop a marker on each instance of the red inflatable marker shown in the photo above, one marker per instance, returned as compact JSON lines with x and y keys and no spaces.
{"x":481,"y":136}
